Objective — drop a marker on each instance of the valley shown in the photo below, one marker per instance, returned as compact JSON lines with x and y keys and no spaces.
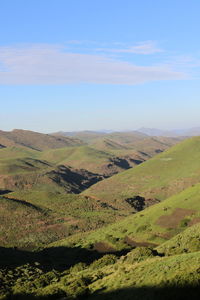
{"x":98,"y":216}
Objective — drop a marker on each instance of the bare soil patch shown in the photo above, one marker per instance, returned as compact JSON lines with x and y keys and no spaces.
{"x":102,"y":247}
{"x":194,"y":221}
{"x":173,"y":220}
{"x":133,"y":243}
{"x":166,"y":235}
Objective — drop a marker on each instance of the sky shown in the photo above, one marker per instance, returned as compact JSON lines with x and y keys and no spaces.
{"x":70,"y":65}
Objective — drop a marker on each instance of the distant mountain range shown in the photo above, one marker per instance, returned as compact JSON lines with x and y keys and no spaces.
{"x":141,"y":131}
{"x":170,"y":133}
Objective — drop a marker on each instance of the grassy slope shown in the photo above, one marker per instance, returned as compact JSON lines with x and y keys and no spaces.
{"x":162,"y":176}
{"x":92,"y":136}
{"x":35,"y":140}
{"x":145,"y":226}
{"x":109,"y":145}
{"x":15,"y":160}
{"x":103,"y":155}
{"x":17,"y":152}
{"x":24,"y":225}
{"x":18,"y":162}
{"x":174,"y":277}
{"x":42,"y":217}
{"x":149,"y":145}
{"x":79,"y":157}
{"x":157,"y":272}
{"x":37,"y":218}
{"x":186,"y":241}
{"x":85,"y":157}
{"x":23,"y":159}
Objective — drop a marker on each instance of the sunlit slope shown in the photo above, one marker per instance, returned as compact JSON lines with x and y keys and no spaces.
{"x":107,"y":278}
{"x":22,"y":168}
{"x":92,"y":136}
{"x":162,"y":176}
{"x":121,"y":142}
{"x":109,"y":145}
{"x":185,"y":242}
{"x":154,"y":225}
{"x":35,"y":140}
{"x":155,"y":278}
{"x":31,"y":218}
{"x":15,"y":160}
{"x":85,"y":157}
{"x":17,"y":152}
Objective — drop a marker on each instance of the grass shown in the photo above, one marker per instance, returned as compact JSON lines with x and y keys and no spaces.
{"x":160,"y":177}
{"x":185,"y":242}
{"x":17,"y":152}
{"x":23,"y":168}
{"x":146,"y":277}
{"x":79,"y":157}
{"x":106,"y":161}
{"x":17,"y":162}
{"x":35,"y":218}
{"x":97,"y":246}
{"x":146,"y":226}
{"x":35,"y":140}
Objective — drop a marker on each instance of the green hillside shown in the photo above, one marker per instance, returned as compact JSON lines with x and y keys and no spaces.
{"x":23,"y":168}
{"x":92,"y":136}
{"x":35,"y":140}
{"x":85,"y":157}
{"x":31,"y":219}
{"x":17,"y":152}
{"x":160,"y":177}
{"x":141,"y":274}
{"x":152,"y":226}
{"x":108,"y":144}
{"x":185,"y":242}
{"x":112,"y":244}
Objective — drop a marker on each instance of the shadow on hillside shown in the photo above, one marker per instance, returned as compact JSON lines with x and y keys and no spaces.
{"x":151,"y":293}
{"x":146,"y":293}
{"x":57,"y":258}
{"x":4,"y":192}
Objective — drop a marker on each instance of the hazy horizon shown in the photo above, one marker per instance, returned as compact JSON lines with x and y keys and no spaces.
{"x":107,"y":131}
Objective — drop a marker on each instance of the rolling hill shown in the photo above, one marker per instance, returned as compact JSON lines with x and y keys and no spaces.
{"x":90,"y":136}
{"x":152,"y":226}
{"x":73,"y":269}
{"x":109,"y":242}
{"x":85,"y":157}
{"x":185,"y":242}
{"x":35,"y":140}
{"x":160,"y":177}
{"x":34,"y":218}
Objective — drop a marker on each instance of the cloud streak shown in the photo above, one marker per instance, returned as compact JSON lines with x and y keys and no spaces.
{"x":144,"y":48}
{"x":52,"y":65}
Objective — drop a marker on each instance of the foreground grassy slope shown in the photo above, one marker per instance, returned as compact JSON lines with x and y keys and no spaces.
{"x":186,"y":241}
{"x":138,"y":275}
{"x":154,"y":225}
{"x":164,"y":175}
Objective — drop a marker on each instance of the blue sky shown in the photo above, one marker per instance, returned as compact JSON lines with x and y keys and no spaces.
{"x":76,"y":65}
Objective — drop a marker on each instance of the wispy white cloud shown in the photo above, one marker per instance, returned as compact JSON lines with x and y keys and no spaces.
{"x":48,"y":64}
{"x":74,"y":42}
{"x":148,"y":47}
